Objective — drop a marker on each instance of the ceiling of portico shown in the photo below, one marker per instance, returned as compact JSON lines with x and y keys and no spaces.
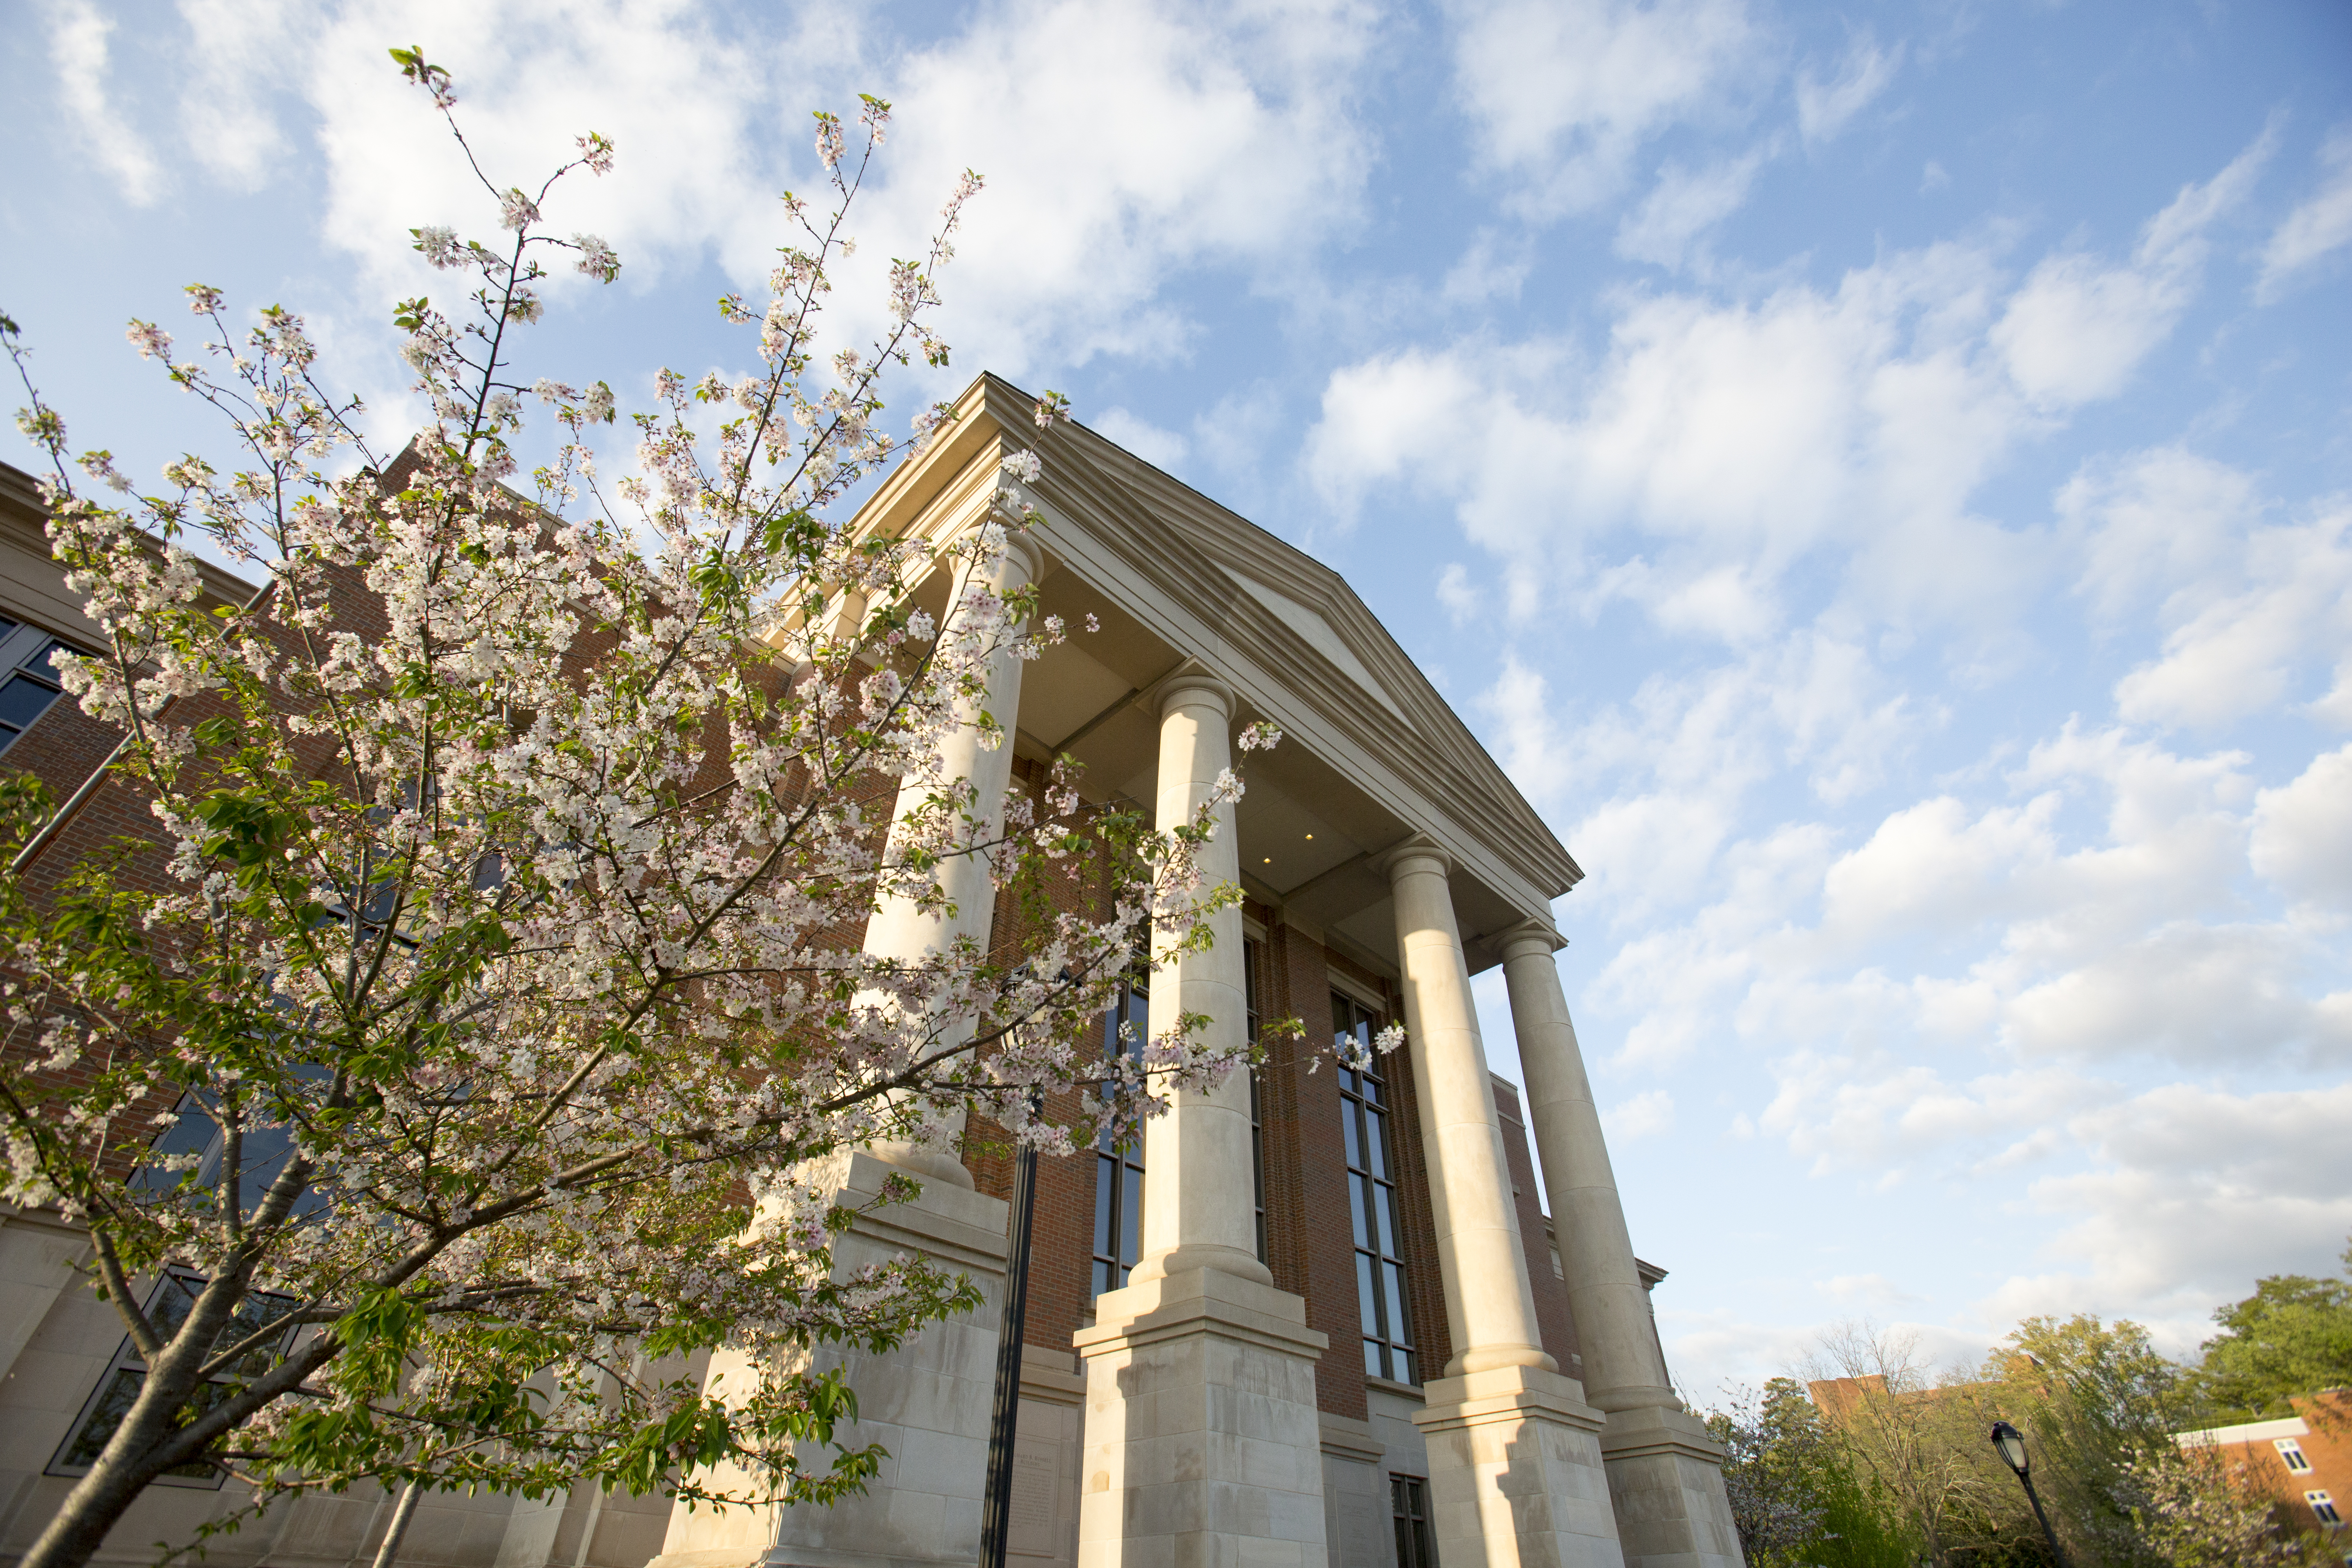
{"x":1309,"y":837}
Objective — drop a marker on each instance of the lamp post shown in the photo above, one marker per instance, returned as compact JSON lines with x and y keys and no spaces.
{"x":2009,"y":1443}
{"x":996,"y":1506}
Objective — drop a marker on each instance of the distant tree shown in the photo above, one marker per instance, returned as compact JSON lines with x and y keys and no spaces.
{"x":2095,"y":1400}
{"x":2292,"y":1336}
{"x":2099,"y":1406}
{"x":1909,"y":1442}
{"x":1795,"y":1495}
{"x":1767,"y":1473}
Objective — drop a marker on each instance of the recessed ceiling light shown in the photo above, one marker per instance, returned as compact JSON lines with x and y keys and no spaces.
{"x":1269,"y":860}
{"x":1310,"y":837}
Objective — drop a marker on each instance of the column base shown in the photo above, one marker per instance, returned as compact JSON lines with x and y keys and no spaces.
{"x":927,"y":1402}
{"x":1201,"y":1447}
{"x":1665,"y":1482}
{"x":1516,"y":1477}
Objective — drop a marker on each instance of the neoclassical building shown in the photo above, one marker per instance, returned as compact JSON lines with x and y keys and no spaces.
{"x":1320,"y":1317}
{"x":1317,"y":1316}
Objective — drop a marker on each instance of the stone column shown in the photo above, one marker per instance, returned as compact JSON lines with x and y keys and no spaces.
{"x":900,"y":929}
{"x":1665,"y":1474}
{"x":1198,"y":1199}
{"x":1201,"y":1441}
{"x":927,"y":1402}
{"x":1516,"y":1474}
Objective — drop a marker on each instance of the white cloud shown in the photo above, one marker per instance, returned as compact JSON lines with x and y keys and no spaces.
{"x":2079,"y":327}
{"x":1563,"y":93}
{"x":1825,"y":108}
{"x":2302,"y":837}
{"x":1218,"y":140}
{"x":1683,"y":204}
{"x":1868,"y":1290}
{"x":1490,"y":270}
{"x":1462,"y":600}
{"x":1646,"y":1115}
{"x":78,"y":49}
{"x":1161,"y":448}
{"x":2155,"y":524}
{"x":2317,"y":229}
{"x":2240,"y":637}
{"x":236,"y":57}
{"x":2194,"y":1193}
{"x":1717,"y":446}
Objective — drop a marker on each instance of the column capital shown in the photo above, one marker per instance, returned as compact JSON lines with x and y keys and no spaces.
{"x":1413,"y":855}
{"x":1188,"y":683}
{"x":1024,"y":558}
{"x":1530,"y":934}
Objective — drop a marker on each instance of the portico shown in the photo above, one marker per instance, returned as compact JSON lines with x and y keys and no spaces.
{"x":1236,"y":1386}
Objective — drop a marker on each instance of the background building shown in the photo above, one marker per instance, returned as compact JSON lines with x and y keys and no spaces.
{"x":1316,"y":1316}
{"x":2304,"y":1461}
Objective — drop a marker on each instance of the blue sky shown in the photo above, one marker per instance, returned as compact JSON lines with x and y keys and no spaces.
{"x":1879,"y":477}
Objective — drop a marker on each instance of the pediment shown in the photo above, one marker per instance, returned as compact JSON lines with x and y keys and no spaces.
{"x":1320,"y":634}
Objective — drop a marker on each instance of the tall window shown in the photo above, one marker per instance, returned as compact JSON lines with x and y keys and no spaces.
{"x":1371,"y":1199}
{"x":118,"y":1386}
{"x":2323,"y":1507}
{"x":2289,"y":1453}
{"x":1409,"y":1500}
{"x":28,"y":681}
{"x":1119,"y":1167}
{"x":1252,"y":968}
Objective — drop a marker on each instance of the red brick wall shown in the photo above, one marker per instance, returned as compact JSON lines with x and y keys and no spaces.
{"x":1552,"y":1316}
{"x":1309,"y":1244}
{"x":2328,"y":1445}
{"x":1061,"y":1238}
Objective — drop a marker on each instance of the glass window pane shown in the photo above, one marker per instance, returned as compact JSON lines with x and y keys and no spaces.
{"x":1399,"y":1325}
{"x":104,"y":1417}
{"x":1130,"y":1218}
{"x":253,"y":1314}
{"x":1104,"y":1210}
{"x":1102,"y":1277}
{"x":174,"y":1301}
{"x":1348,"y":1131}
{"x":43,"y":664}
{"x":1373,"y":1090}
{"x":1384,"y":1201}
{"x":22,"y":700}
{"x":1407,"y":1372}
{"x":1376,"y":1157}
{"x":1373,"y":1360}
{"x":1366,"y":1303}
{"x":192,"y":1134}
{"x":264,"y":1153}
{"x":1356,"y":1203}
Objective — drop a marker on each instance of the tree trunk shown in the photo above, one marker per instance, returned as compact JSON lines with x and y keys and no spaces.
{"x":389,"y":1553}
{"x":123,"y":1470}
{"x":142,"y":1446}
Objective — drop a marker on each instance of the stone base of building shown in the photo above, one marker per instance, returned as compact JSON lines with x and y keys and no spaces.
{"x":1665,"y":1481}
{"x":1202,"y":1446}
{"x":927,"y":1402}
{"x":1515,"y":1477}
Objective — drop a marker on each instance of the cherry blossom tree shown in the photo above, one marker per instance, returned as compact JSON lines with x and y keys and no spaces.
{"x":445,"y":1074}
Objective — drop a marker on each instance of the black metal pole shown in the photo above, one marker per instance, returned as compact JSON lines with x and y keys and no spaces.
{"x":2047,"y":1533}
{"x":996,"y":1508}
